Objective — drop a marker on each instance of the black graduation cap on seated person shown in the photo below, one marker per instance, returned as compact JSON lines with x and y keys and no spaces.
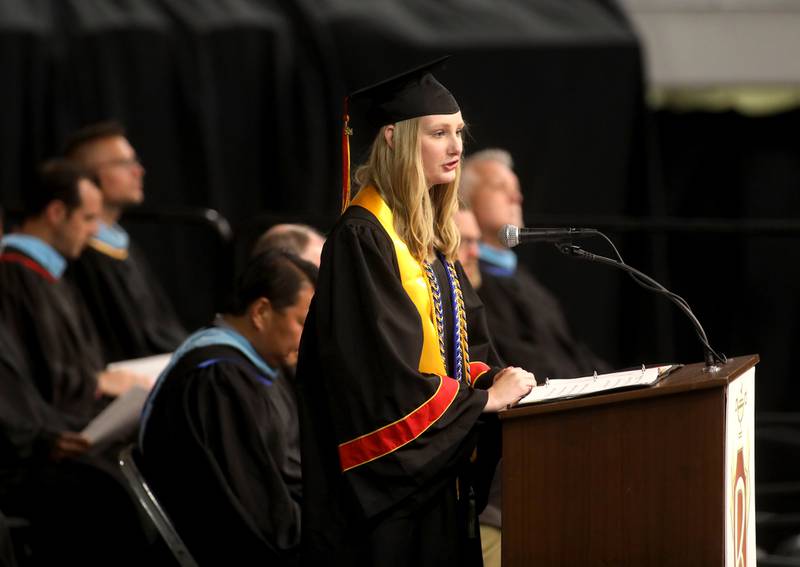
{"x":411,"y":94}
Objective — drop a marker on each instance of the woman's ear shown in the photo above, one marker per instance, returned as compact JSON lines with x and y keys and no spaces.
{"x":388,"y":135}
{"x":260,"y":312}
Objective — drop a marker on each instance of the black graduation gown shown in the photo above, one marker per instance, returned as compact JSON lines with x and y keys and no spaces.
{"x":28,"y":424}
{"x":530,"y":330}
{"x":221,"y":452}
{"x":7,"y":557}
{"x":69,"y":499}
{"x":132,"y":314}
{"x":61,"y":350}
{"x":358,"y":380}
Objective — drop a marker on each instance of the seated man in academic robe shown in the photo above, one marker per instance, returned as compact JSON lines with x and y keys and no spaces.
{"x":42,"y":308}
{"x":132,"y":313}
{"x":527,"y":324}
{"x":526,"y":320}
{"x":298,"y":239}
{"x":220,"y":428}
{"x":51,"y":384}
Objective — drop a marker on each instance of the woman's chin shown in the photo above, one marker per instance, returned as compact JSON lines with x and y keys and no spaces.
{"x":442,"y":179}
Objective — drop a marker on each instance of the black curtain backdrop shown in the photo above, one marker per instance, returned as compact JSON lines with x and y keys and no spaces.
{"x":745,"y":286}
{"x":236,"y":105}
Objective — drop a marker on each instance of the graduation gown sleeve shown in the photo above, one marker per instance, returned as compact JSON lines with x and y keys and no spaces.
{"x":28,"y":424}
{"x":56,"y":337}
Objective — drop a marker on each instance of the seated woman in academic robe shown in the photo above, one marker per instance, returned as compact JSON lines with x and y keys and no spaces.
{"x":219,"y":434}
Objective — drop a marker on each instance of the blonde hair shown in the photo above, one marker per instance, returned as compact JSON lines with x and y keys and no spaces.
{"x":423,"y":218}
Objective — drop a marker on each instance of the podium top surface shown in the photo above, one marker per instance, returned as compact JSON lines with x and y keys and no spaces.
{"x":684,"y":379}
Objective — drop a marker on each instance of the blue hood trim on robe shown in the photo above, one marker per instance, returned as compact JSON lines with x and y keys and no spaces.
{"x":219,"y":335}
{"x":496,"y":261}
{"x":44,"y":254}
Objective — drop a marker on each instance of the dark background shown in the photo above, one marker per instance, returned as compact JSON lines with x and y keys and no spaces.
{"x":235,"y":105}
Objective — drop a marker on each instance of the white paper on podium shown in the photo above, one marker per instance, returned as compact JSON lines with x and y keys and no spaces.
{"x":119,"y":419}
{"x":584,"y":386}
{"x":149,"y":366}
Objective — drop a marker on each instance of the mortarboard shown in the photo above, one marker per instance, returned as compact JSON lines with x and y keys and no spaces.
{"x":411,"y":94}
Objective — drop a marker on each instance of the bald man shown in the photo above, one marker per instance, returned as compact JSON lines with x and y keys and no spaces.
{"x":299,"y":239}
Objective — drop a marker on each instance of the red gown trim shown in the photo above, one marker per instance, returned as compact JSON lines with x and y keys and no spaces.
{"x":13,"y":257}
{"x":391,"y":437}
{"x":476,"y":370}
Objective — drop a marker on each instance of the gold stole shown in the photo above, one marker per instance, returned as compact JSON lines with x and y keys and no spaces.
{"x":108,"y":250}
{"x":412,"y":277}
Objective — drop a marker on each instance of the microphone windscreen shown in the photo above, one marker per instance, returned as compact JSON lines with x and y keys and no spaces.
{"x":509,"y":235}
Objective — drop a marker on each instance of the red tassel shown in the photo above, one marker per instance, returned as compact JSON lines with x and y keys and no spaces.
{"x":346,"y":133}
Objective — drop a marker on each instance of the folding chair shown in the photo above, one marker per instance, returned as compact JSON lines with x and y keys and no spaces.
{"x":147,"y":500}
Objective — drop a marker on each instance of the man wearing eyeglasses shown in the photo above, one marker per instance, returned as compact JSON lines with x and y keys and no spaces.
{"x":131,"y":311}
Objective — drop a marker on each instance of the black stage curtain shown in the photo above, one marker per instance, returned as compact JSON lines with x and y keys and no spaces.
{"x":236,"y":105}
{"x":745,"y":286}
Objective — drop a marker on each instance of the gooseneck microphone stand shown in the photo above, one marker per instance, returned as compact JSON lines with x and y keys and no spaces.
{"x":712,"y":358}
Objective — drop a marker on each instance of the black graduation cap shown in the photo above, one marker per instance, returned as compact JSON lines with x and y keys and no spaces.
{"x":411,"y":94}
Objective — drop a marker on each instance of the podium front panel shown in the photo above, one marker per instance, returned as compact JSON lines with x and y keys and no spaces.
{"x":637,"y":483}
{"x":622,"y":479}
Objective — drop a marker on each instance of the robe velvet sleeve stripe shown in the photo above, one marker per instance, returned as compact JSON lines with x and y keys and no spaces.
{"x":476,"y":370}
{"x":391,"y":437}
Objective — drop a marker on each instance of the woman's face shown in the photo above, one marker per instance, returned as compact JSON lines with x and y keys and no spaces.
{"x":280,"y":337}
{"x":441,"y":146}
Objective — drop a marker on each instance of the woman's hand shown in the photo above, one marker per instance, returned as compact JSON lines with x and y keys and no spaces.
{"x":510,"y":385}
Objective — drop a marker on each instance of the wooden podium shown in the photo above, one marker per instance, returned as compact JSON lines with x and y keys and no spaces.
{"x":661,"y":475}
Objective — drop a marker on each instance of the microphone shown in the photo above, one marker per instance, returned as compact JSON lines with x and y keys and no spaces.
{"x":511,"y":235}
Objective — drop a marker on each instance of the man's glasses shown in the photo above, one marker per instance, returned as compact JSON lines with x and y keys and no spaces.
{"x":121,"y":162}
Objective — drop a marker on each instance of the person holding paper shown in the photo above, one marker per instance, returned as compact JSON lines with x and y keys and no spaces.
{"x":50,"y":387}
{"x":219,"y":434}
{"x":44,"y":310}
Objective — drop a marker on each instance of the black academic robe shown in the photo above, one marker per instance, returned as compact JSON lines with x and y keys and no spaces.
{"x":28,"y":424}
{"x":132,"y":314}
{"x":221,"y":452}
{"x":409,"y":494}
{"x":7,"y":556}
{"x":530,"y":330}
{"x":60,"y":345}
{"x":64,"y":500}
